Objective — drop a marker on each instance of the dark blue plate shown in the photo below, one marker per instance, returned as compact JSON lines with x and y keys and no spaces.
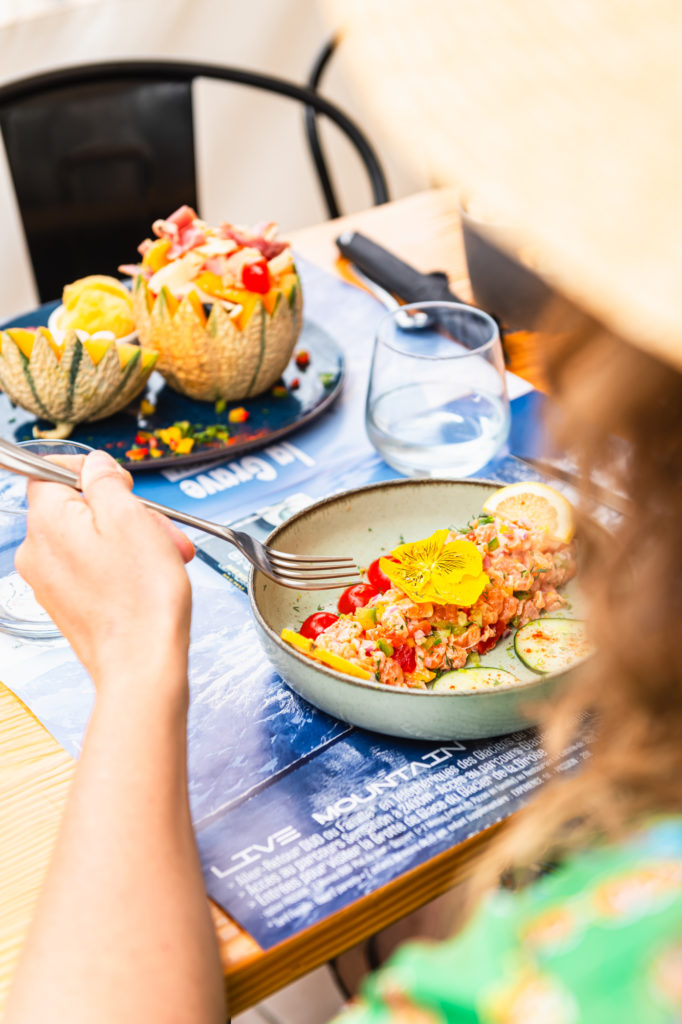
{"x":303,"y":394}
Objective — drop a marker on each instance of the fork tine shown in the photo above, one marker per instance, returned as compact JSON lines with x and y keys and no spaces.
{"x":284,"y":557}
{"x":307,"y":578}
{"x":298,"y":585}
{"x":325,"y":568}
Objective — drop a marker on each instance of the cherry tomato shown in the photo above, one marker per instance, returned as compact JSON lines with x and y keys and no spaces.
{"x":317,"y":623}
{"x":256,"y":277}
{"x":378,"y":578}
{"x":487,"y":645}
{"x":356,"y":596}
{"x":406,"y":658}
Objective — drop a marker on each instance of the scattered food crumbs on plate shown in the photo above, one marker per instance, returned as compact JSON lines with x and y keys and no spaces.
{"x":302,"y":359}
{"x":238,"y":415}
{"x":280,"y":391}
{"x":147,"y":408}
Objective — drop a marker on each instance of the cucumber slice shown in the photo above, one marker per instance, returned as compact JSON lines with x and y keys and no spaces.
{"x":474,"y":679}
{"x":551,"y":645}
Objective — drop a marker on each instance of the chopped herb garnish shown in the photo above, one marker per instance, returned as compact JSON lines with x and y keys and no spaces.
{"x":494,"y":544}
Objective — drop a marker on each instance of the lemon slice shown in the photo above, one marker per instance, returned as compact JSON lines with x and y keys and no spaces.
{"x":534,"y":504}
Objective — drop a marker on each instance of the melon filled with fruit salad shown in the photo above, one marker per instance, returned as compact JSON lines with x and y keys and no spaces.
{"x":429,"y":610}
{"x":77,"y":379}
{"x":221,"y":306}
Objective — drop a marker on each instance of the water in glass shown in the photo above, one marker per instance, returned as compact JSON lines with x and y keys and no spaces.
{"x":437,"y":404}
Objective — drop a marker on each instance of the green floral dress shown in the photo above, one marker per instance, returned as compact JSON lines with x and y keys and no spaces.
{"x":598,"y":941}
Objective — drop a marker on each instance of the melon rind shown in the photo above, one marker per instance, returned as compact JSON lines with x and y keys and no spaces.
{"x":71,"y":389}
{"x":217,"y":360}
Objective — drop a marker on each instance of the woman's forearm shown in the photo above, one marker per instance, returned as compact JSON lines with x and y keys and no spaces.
{"x":122,"y":931}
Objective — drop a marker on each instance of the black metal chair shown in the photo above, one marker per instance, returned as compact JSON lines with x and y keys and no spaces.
{"x":97,"y":152}
{"x":313,"y":132}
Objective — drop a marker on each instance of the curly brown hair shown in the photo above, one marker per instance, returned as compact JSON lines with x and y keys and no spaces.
{"x":618,"y":411}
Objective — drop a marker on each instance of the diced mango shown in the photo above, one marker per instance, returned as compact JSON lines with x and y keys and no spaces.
{"x":366,"y":616}
{"x":171,"y":302}
{"x":249,"y":302}
{"x":23,"y":339}
{"x":197,"y":306}
{"x":156,"y":255}
{"x":126,"y":352}
{"x":148,"y":358}
{"x":170,"y":435}
{"x":47,"y":335}
{"x":423,"y":676}
{"x":211,"y":283}
{"x":287,"y":281}
{"x":269,"y":300}
{"x":96,"y":349}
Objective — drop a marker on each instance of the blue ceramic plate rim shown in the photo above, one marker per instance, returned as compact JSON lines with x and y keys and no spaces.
{"x":40,"y":315}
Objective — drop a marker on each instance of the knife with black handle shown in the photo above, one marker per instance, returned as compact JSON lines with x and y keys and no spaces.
{"x":391,"y":273}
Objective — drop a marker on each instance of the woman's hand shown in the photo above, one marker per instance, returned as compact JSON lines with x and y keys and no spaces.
{"x":122,"y":931}
{"x":110,"y":574}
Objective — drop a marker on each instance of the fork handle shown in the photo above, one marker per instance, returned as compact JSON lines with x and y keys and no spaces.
{"x":224,"y":532}
{"x":37,"y":467}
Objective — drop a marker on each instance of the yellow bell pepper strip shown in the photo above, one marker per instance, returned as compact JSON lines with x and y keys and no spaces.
{"x":308,"y":647}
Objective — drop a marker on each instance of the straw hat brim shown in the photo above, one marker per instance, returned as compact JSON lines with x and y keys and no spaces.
{"x":563,"y":118}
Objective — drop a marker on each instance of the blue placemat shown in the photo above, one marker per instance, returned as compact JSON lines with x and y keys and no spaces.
{"x":297,"y":814}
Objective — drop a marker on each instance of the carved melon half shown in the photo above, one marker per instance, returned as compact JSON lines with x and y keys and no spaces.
{"x":216,"y":354}
{"x":73,"y":381}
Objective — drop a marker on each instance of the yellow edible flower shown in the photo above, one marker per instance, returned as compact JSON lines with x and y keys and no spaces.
{"x":431,"y":570}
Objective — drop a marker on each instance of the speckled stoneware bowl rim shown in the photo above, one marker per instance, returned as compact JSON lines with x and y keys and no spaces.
{"x":59,"y":332}
{"x":528,"y":687}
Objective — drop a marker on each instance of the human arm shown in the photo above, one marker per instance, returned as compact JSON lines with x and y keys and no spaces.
{"x":122,"y":929}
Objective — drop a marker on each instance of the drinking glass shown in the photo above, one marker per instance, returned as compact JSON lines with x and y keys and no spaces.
{"x":437,"y":402}
{"x":20,"y":613}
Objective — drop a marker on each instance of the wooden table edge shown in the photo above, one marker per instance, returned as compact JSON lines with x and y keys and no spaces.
{"x":254,"y":980}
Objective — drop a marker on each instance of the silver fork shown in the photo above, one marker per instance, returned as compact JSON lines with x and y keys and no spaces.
{"x":298,"y":572}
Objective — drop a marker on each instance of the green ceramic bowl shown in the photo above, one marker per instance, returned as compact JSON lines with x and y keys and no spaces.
{"x":363,"y":524}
